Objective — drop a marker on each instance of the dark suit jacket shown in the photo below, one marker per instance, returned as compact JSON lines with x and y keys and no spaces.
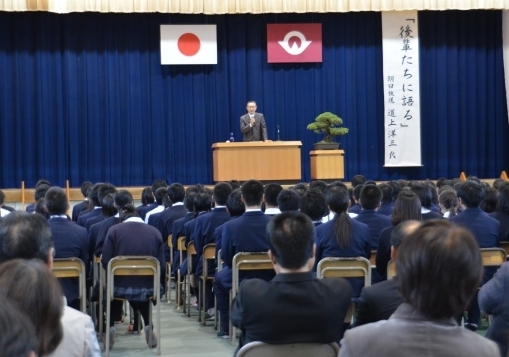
{"x":178,"y":231}
{"x":377,"y":302}
{"x":375,"y":222}
{"x":82,"y":219}
{"x":30,"y":208}
{"x":356,"y":208}
{"x":143,"y":210}
{"x":256,"y":133}
{"x":76,"y":210}
{"x":71,"y":241}
{"x":503,"y":218}
{"x":493,"y":298}
{"x":385,"y":209}
{"x":430,"y":215}
{"x":155,"y":220}
{"x":166,"y":219}
{"x":103,"y":231}
{"x":291,"y":308}
{"x":383,"y":255}
{"x":93,"y":220}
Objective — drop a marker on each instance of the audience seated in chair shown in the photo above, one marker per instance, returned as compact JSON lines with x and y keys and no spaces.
{"x":152,"y":217}
{"x":501,"y":213}
{"x":40,"y":190}
{"x":294,"y":306}
{"x":79,"y":207}
{"x":449,"y":203}
{"x":313,"y":204}
{"x":438,"y":268}
{"x":270,"y":194}
{"x":4,"y":210}
{"x":288,"y":200}
{"x":142,"y":211}
{"x":424,"y":192}
{"x":176,"y":194}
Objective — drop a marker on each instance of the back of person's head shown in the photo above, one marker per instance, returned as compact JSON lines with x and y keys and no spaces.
{"x":56,"y":201}
{"x":497,"y":182}
{"x":252,"y":192}
{"x":146,"y":196}
{"x":40,"y":208}
{"x":396,"y":189}
{"x":358,"y":180}
{"x":489,"y":204}
{"x":221,"y":192}
{"x":40,"y":191}
{"x":387,"y":192}
{"x":18,"y":337}
{"x":440,"y":181}
{"x":439,"y":269}
{"x":160,"y":193}
{"x":270,"y":193}
{"x":403,"y":230}
{"x":291,"y":236}
{"x":434,"y":191}
{"x":85,"y":186}
{"x":235,"y":184}
{"x":313,"y":204}
{"x":122,"y":198}
{"x":94,"y":194}
{"x":189,"y":201}
{"x":34,"y":290}
{"x":356,"y":192}
{"x":406,"y":207}
{"x":166,"y":201}
{"x":337,"y":199}
{"x":503,"y":199}
{"x":288,"y":200}
{"x":176,"y":192}
{"x":104,"y":190}
{"x":127,"y":211}
{"x":449,"y":201}
{"x":319,"y":184}
{"x":474,"y":178}
{"x":300,"y":186}
{"x":471,"y":193}
{"x":158,"y":184}
{"x":202,"y":202}
{"x":25,"y":236}
{"x":370,"y":197}
{"x":423,"y":191}
{"x":234,"y":204}
{"x":445,"y":188}
{"x":42,"y":182}
{"x":108,"y":205}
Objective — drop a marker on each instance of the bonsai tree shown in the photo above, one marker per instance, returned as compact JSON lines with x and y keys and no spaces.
{"x":328,"y":123}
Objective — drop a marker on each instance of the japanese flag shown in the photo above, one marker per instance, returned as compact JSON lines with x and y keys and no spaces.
{"x":188,"y":44}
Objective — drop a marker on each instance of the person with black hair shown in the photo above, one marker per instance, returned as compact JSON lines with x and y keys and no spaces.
{"x":295,"y":306}
{"x":235,"y":184}
{"x":70,"y":240}
{"x":489,"y":204}
{"x":159,"y":196}
{"x":40,"y":209}
{"x":379,"y":301}
{"x":177,"y":230}
{"x":370,"y":200}
{"x":270,"y":194}
{"x":438,"y":270}
{"x":343,"y":236}
{"x":133,"y":237}
{"x":358,"y":180}
{"x":313,"y":204}
{"x":176,"y":194}
{"x":448,"y":203}
{"x":40,"y":192}
{"x":235,"y":208}
{"x":288,"y":200}
{"x":4,"y":210}
{"x":485,"y":230}
{"x":109,"y":210}
{"x":142,"y":211}
{"x":319,"y":184}
{"x":501,"y":213}
{"x":423,"y":191}
{"x":94,"y":208}
{"x":146,"y":199}
{"x":387,"y":204}
{"x":103,"y":191}
{"x":355,"y":209}
{"x":203,"y":234}
{"x":243,"y":234}
{"x":18,"y":337}
{"x":78,"y":208}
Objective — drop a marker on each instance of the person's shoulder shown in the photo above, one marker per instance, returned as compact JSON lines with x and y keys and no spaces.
{"x":380,"y":287}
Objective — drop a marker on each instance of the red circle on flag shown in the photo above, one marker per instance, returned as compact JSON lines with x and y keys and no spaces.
{"x":188,"y":44}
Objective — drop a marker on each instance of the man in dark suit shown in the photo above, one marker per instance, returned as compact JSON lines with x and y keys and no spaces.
{"x":378,"y":302}
{"x":176,"y":193}
{"x":483,"y":227}
{"x":76,"y":210}
{"x":294,"y":307}
{"x":243,"y":234}
{"x":252,"y":124}
{"x":71,"y":240}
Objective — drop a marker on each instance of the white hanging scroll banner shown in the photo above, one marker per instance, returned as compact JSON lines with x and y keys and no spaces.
{"x":402,"y":116}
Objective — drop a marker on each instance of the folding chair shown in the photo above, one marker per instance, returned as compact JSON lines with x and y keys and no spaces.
{"x":261,"y":349}
{"x":134,"y":266}
{"x":73,"y":268}
{"x":191,"y":253}
{"x":492,"y":257}
{"x":168,"y":270}
{"x":219,"y":268}
{"x":246,"y":261}
{"x":181,"y":247}
{"x":505,"y":247}
{"x":391,"y":269}
{"x":372,"y":259}
{"x":209,"y":253}
{"x":357,"y":267}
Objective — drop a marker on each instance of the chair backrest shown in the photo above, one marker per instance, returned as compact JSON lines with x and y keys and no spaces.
{"x":191,"y":250}
{"x":248,"y":261}
{"x":505,"y":247}
{"x":72,"y":268}
{"x":209,"y":253}
{"x":170,"y":243}
{"x":181,"y":243}
{"x":372,"y":259}
{"x":357,"y":267}
{"x":493,"y":257}
{"x":260,"y":349}
{"x":134,"y":266}
{"x":391,"y":269}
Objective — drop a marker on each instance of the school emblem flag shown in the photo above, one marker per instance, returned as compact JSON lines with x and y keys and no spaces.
{"x":288,"y":43}
{"x":188,"y":44}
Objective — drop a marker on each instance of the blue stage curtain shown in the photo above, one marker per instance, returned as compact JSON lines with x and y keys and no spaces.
{"x":84,"y":96}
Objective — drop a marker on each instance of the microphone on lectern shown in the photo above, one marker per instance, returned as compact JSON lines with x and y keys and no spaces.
{"x":278,"y":133}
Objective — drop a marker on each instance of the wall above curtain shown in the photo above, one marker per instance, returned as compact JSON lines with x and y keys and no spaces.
{"x":219,"y":7}
{"x":84,"y":96}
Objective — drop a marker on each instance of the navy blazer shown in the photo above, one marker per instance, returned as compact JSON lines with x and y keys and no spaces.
{"x":503,"y":218}
{"x":143,"y":210}
{"x":76,"y":210}
{"x":356,"y":208}
{"x":177,"y":232}
{"x":71,"y":241}
{"x":383,"y":254}
{"x":154,"y":220}
{"x":82,"y":219}
{"x":385,"y":209}
{"x":430,"y":215}
{"x":94,"y":220}
{"x":375,"y":222}
{"x":103,"y":231}
{"x":359,"y":246}
{"x":166,"y":219}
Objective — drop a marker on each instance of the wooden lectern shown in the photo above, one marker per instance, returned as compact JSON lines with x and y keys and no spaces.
{"x":265,"y":161}
{"x":327,"y":164}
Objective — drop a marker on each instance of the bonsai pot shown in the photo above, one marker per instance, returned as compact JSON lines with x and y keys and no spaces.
{"x":326,"y":146}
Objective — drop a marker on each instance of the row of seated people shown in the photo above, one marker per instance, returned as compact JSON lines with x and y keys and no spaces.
{"x":340,"y":236}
